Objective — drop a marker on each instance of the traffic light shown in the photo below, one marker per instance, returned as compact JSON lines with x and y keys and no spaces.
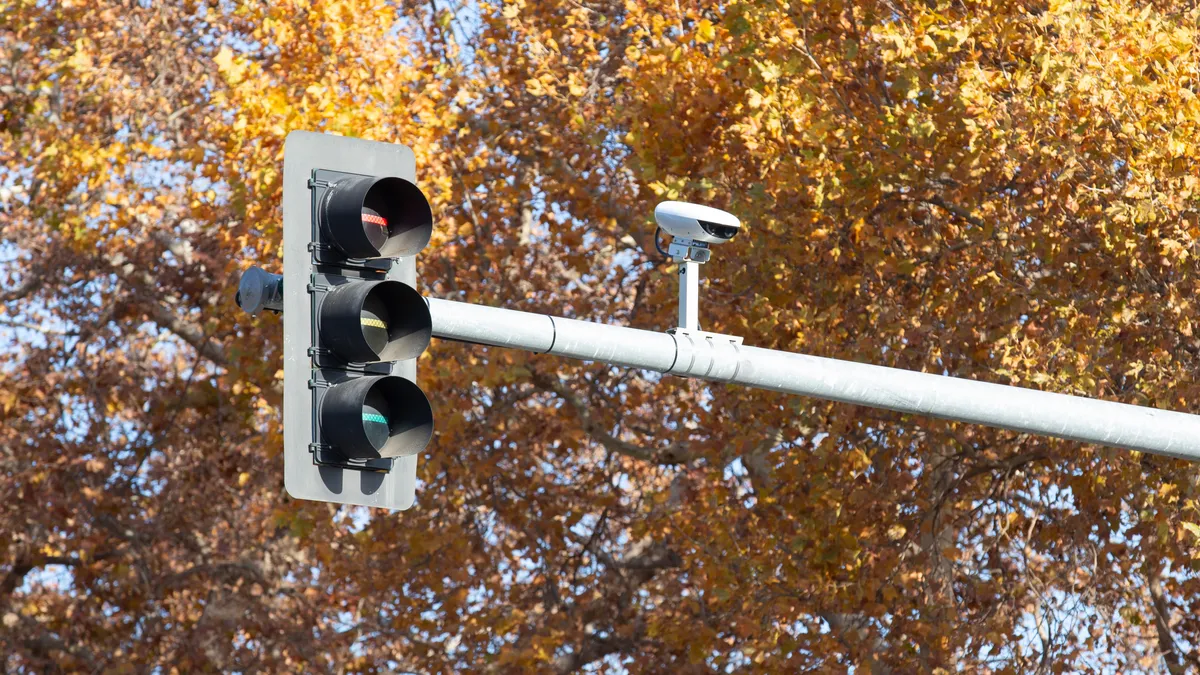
{"x":354,"y":418}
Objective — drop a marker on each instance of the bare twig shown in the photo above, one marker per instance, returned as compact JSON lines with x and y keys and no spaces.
{"x":668,"y":456}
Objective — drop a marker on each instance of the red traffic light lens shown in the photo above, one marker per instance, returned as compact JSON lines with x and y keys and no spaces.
{"x":375,"y":227}
{"x":368,"y":217}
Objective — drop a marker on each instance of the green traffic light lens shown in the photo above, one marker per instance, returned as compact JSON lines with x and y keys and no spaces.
{"x":375,"y":419}
{"x":376,"y":416}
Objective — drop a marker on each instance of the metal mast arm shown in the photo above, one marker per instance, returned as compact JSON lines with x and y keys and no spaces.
{"x":1119,"y":425}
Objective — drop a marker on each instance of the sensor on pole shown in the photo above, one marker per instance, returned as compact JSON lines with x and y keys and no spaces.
{"x":693,"y":227}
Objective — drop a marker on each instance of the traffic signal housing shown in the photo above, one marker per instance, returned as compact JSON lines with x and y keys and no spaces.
{"x":354,"y":418}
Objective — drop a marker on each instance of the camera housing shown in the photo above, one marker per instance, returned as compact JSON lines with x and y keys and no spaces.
{"x":696,"y":222}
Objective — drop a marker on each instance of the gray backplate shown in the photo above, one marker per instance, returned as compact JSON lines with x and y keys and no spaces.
{"x":303,"y":152}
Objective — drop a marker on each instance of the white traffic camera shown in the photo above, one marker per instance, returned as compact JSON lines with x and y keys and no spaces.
{"x":696,"y":222}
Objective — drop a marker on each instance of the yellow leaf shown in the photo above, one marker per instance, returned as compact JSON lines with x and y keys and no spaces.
{"x":1193,"y":528}
{"x":859,"y":461}
{"x":7,"y":400}
{"x":224,"y":59}
{"x":705,"y":31}
{"x":227,"y":64}
{"x":80,"y":60}
{"x":769,"y":71}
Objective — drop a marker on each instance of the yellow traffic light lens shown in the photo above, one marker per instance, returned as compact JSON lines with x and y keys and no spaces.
{"x":365,"y":322}
{"x":374,"y":320}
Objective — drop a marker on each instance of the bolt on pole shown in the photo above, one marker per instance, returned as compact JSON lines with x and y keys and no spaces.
{"x":723,"y":359}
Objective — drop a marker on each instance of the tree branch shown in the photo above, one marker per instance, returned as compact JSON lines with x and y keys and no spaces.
{"x":188,"y":332}
{"x":4,"y":321}
{"x":594,"y":648}
{"x":26,"y":564}
{"x":31,"y":283}
{"x":668,"y":456}
{"x":1177,"y":662}
{"x":645,"y":560}
{"x":953,"y":209}
{"x":166,"y":317}
{"x":42,"y":647}
{"x":847,"y":625}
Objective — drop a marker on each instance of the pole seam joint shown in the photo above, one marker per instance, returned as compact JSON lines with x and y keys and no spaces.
{"x":553,"y":334}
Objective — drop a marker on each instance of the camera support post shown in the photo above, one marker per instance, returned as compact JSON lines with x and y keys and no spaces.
{"x":689,"y":255}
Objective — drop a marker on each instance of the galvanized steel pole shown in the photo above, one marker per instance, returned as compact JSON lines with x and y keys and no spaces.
{"x":1120,"y":425}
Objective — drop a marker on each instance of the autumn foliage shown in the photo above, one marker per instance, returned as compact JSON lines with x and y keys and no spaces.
{"x":1006,"y":191}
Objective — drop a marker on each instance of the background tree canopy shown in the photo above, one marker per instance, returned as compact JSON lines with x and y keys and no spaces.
{"x":1006,"y":191}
